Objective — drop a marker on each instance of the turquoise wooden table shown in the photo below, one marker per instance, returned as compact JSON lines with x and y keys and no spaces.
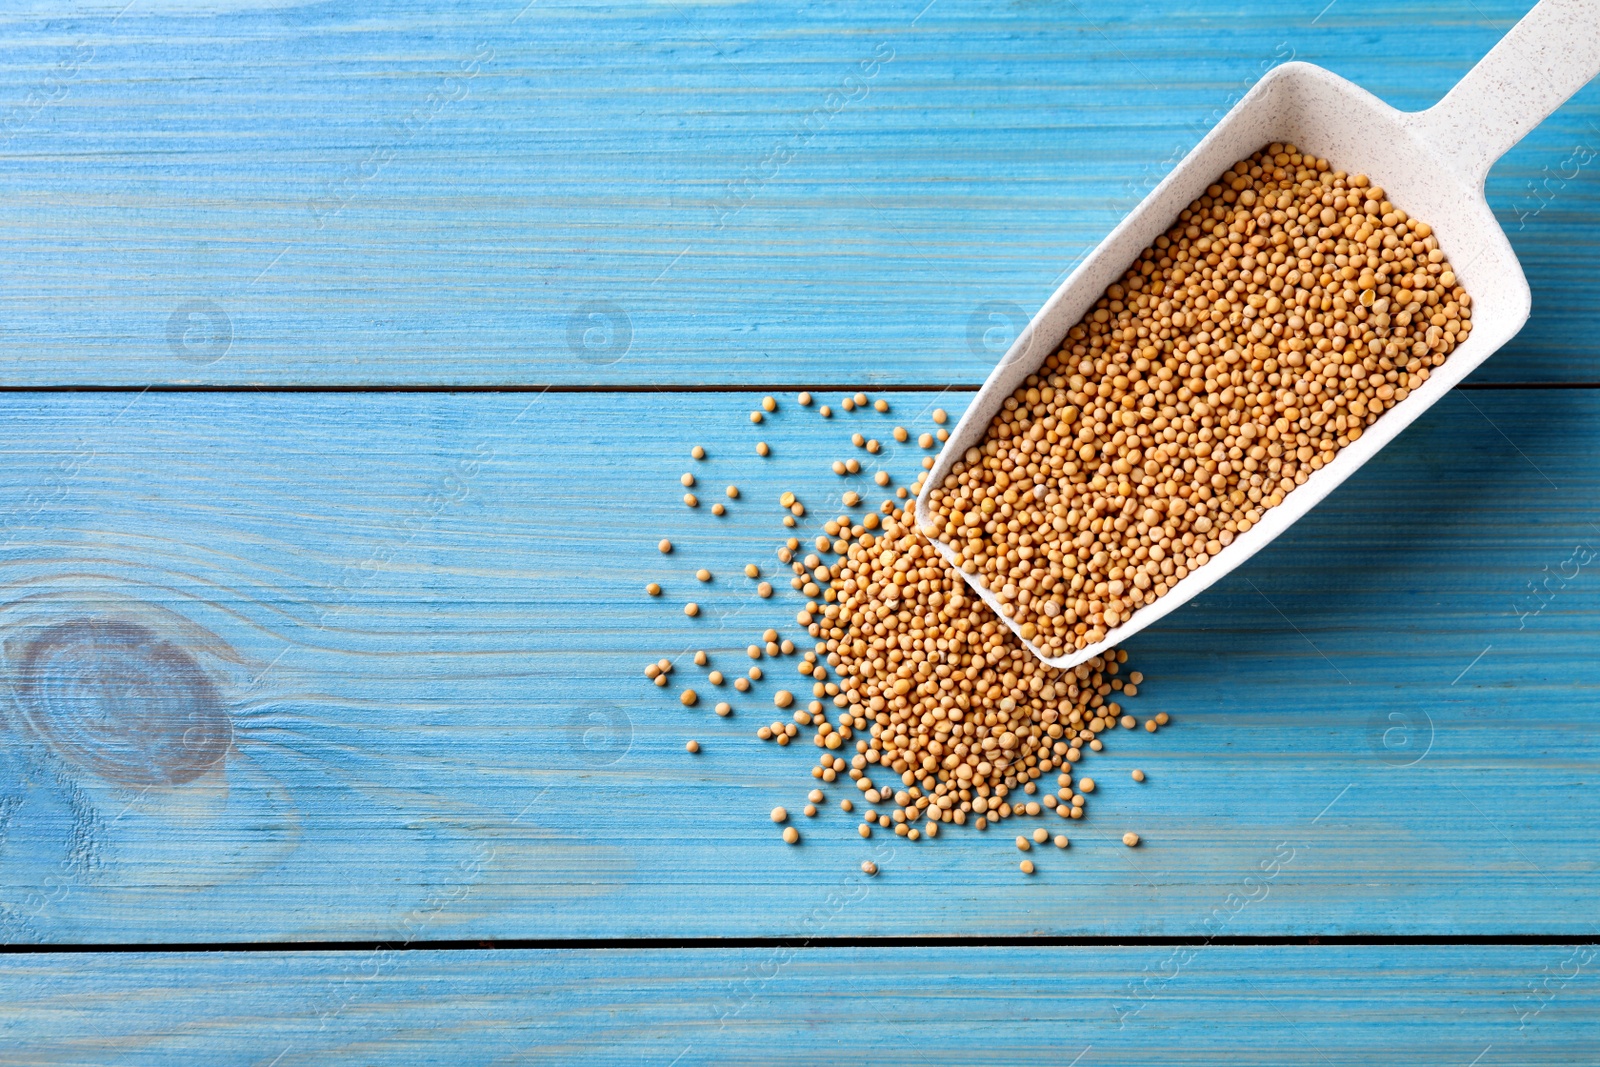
{"x":350,"y":355}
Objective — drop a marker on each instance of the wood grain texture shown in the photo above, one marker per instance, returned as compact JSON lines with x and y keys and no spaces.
{"x":1235,"y":1006}
{"x":491,"y":193}
{"x":418,"y":624}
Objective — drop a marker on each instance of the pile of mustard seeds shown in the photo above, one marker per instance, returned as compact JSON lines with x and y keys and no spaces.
{"x":1282,"y":313}
{"x":924,"y":707}
{"x":960,"y":716}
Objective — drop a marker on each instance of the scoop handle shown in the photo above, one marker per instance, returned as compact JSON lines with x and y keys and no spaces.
{"x":1551,"y":54}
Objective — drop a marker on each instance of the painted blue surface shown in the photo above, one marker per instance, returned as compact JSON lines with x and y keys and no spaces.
{"x":400,"y":193}
{"x":1434,"y":1006}
{"x":425,"y":621}
{"x":409,"y":630}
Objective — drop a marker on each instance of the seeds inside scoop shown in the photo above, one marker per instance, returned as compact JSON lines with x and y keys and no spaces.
{"x":1281,"y":315}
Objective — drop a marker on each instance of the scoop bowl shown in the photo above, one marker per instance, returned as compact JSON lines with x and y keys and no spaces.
{"x":1432,"y":164}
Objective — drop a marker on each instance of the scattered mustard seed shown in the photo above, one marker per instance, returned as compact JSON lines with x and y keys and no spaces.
{"x":791,"y":836}
{"x":687,"y":480}
{"x":755,"y":416}
{"x":689,"y":697}
{"x":1130,"y":839}
{"x":826,"y":412}
{"x":940,"y":415}
{"x":805,"y":400}
{"x":868,"y":867}
{"x":769,"y":404}
{"x":691,"y":609}
{"x":692,"y":747}
{"x":703,"y":574}
{"x":1041,"y":835}
{"x":700,"y":658}
{"x":861,"y":400}
{"x":718,"y":509}
{"x":1061,"y":841}
{"x":880,"y":406}
{"x":733,"y":492}
{"x":780,"y":814}
{"x":653,"y":589}
{"x":1138,"y":776}
{"x":665,"y":546}
{"x":764,"y":590}
{"x":715,"y":678}
{"x":724,"y":709}
{"x":847,"y":404}
{"x":762,"y":449}
{"x":1026,"y":866}
{"x":691,"y":500}
{"x":697,"y":452}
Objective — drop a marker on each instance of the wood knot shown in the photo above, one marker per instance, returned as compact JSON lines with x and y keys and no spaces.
{"x":117,"y":699}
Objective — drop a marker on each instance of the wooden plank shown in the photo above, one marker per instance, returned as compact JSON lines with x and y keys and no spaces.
{"x":422,"y":623}
{"x":1445,"y":1006}
{"x":494,"y":193}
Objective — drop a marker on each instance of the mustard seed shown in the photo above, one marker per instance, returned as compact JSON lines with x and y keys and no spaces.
{"x":1086,"y":785}
{"x":867,"y":866}
{"x":939,"y":416}
{"x":733,"y":492}
{"x":1061,"y":841}
{"x":691,"y":500}
{"x":752,"y":571}
{"x":769,"y":404}
{"x":703,"y":574}
{"x":783,"y":698}
{"x":861,"y":400}
{"x":925,"y":441}
{"x":687,"y":480}
{"x":882,"y":477}
{"x":755,"y":674}
{"x":826,"y":412}
{"x":764,"y":590}
{"x":690,"y":698}
{"x":724,"y":709}
{"x":715,"y":678}
{"x":1024,"y":844}
{"x":873,"y":446}
{"x":697,"y":452}
{"x":815,"y":796}
{"x":1138,"y":775}
{"x":1026,"y":866}
{"x":880,"y":406}
{"x":1150,"y":725}
{"x":791,"y":836}
{"x":653,"y":589}
{"x":718,"y":509}
{"x":858,"y":440}
{"x":805,"y":400}
{"x":1041,"y":835}
{"x":742,"y":684}
{"x":691,"y":609}
{"x":848,"y":404}
{"x":901,"y":434}
{"x":810,"y":811}
{"x":1163,"y":718}
{"x":780,"y":814}
{"x":665,"y":546}
{"x":700,"y":658}
{"x":864,"y":830}
{"x":1130,"y":839}
{"x":846,"y":805}
{"x":692,"y":746}
{"x":755,"y":416}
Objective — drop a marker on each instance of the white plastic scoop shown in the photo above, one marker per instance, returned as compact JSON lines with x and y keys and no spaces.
{"x":1431,"y":163}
